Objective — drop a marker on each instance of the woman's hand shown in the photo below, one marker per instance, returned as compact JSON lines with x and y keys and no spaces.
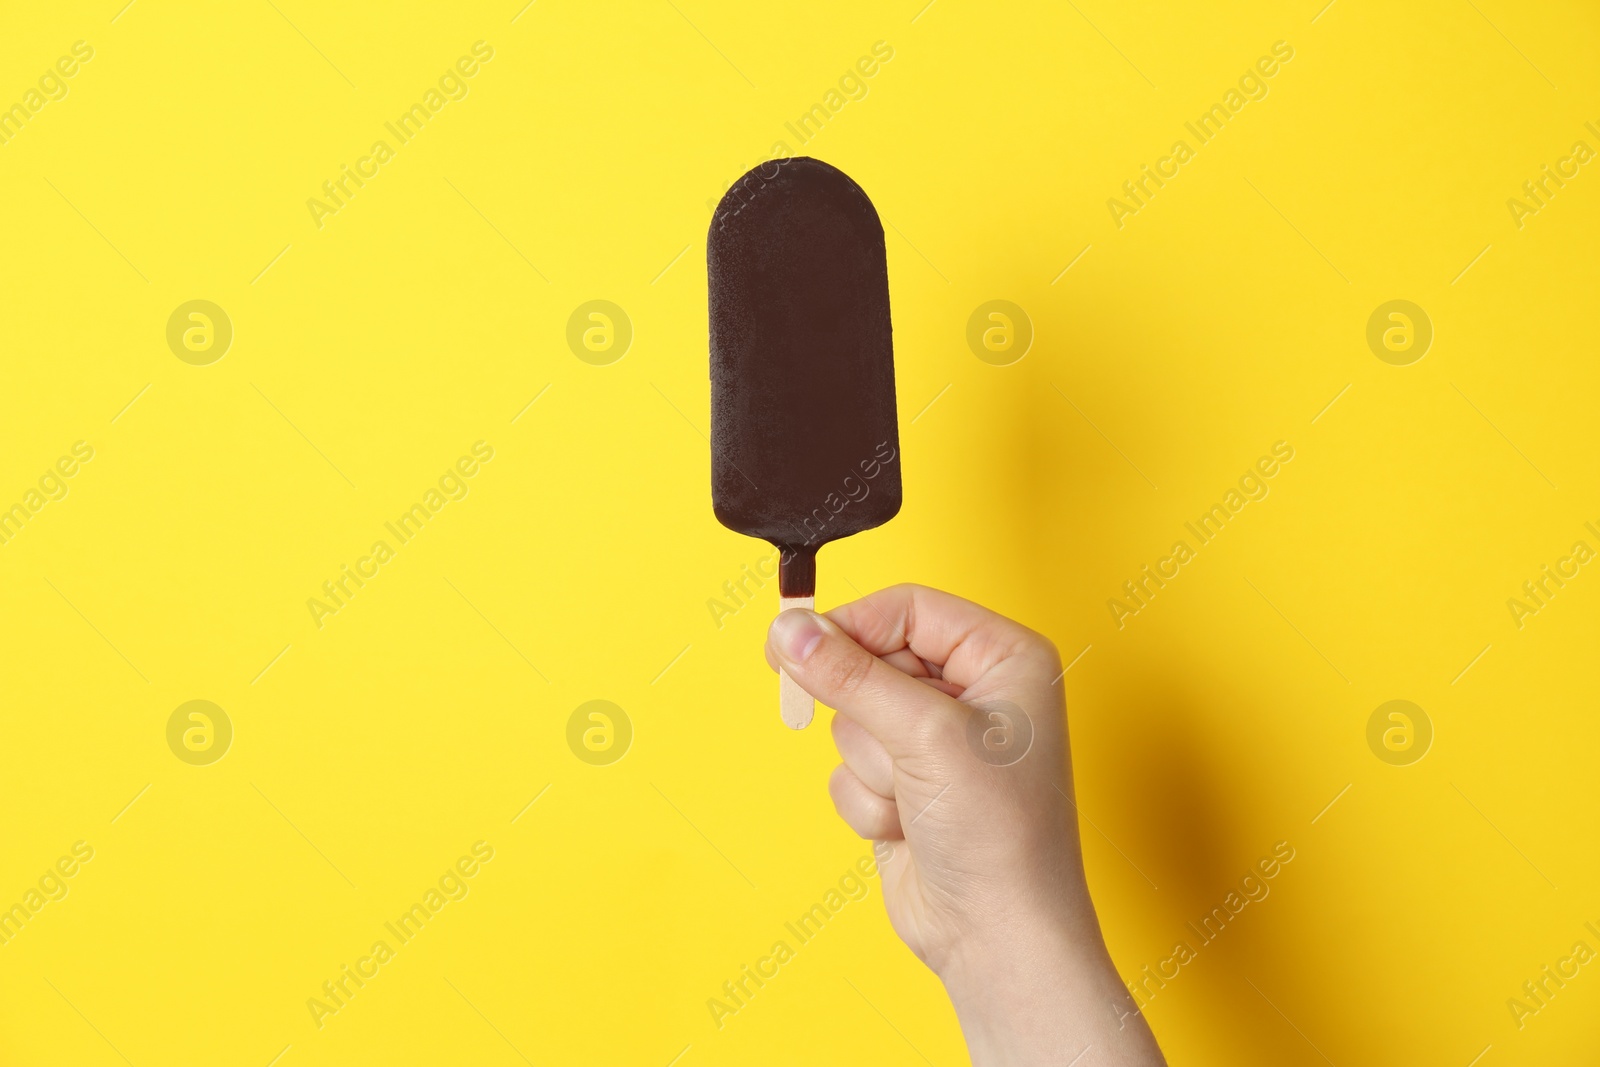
{"x":952,"y":727}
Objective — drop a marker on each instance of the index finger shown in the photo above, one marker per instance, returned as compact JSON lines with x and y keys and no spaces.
{"x":963,"y":639}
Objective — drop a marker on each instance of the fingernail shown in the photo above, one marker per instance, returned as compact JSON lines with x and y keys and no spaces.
{"x":795,"y":634}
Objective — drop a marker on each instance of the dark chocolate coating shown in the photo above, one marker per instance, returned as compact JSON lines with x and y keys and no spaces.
{"x":805,"y":445}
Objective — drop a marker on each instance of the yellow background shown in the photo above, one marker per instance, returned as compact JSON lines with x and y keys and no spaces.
{"x":370,"y":753}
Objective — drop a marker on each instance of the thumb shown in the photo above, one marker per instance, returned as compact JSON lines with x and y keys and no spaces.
{"x":904,"y":714}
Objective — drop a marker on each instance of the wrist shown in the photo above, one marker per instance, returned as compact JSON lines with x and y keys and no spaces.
{"x":1042,"y":991}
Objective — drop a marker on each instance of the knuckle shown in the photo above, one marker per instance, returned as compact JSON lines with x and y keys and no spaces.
{"x":1036,"y":644}
{"x":940,"y":728}
{"x":848,"y":674}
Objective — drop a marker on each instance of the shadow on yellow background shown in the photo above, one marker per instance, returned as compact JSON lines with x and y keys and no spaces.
{"x":366,"y":340}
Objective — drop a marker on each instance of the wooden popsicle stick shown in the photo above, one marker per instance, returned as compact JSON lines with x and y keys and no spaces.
{"x":794,"y":703}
